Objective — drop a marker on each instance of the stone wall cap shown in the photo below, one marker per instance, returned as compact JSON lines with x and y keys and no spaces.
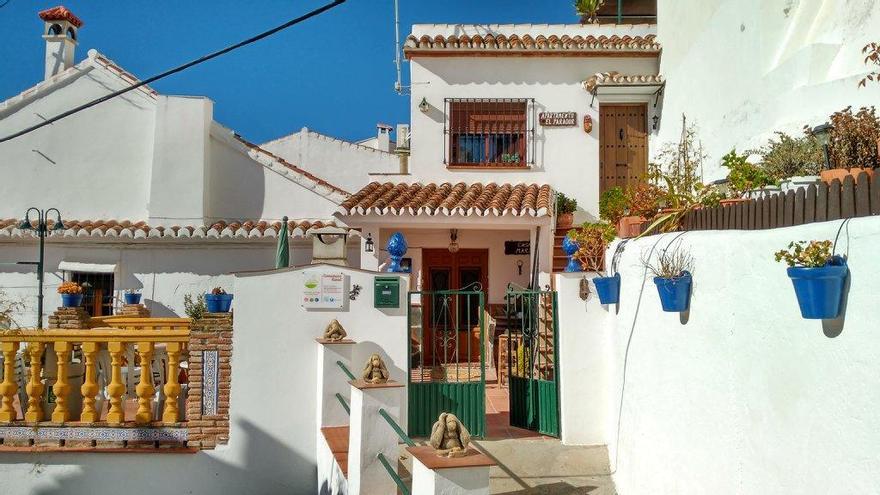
{"x":364,"y":385}
{"x":334,"y":342}
{"x":430,"y":459}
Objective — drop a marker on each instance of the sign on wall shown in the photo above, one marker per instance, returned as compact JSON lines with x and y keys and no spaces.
{"x":517,"y":247}
{"x":322,"y":290}
{"x":557,"y":119}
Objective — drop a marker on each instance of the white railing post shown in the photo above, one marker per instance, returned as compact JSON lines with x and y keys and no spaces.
{"x":435,"y":475}
{"x":370,"y":436}
{"x":333,"y":380}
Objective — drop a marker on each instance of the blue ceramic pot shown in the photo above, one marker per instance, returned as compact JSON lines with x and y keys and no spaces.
{"x":675,"y":293}
{"x":132,"y":298}
{"x":608,"y":289}
{"x":218,"y":303}
{"x":71,"y":300}
{"x":820,"y":290}
{"x":396,"y":248}
{"x":569,"y":247}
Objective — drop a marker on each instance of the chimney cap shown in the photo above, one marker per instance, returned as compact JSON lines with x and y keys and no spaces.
{"x":382,"y":125}
{"x":60,"y":13}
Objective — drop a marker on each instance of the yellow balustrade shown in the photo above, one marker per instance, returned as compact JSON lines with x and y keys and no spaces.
{"x":145,"y":333}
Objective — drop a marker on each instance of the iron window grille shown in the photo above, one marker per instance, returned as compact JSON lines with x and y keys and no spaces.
{"x":489,"y":132}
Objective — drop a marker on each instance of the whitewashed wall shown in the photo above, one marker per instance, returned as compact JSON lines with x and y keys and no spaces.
{"x":272,"y":442}
{"x":565,"y":157}
{"x":741,"y":395}
{"x":342,"y":163}
{"x":742,"y":69}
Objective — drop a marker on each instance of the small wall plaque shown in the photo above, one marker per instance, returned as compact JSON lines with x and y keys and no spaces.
{"x":557,"y":119}
{"x":517,"y":247}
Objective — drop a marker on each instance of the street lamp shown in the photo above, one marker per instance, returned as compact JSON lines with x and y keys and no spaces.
{"x":823,"y":135}
{"x":42,"y":230}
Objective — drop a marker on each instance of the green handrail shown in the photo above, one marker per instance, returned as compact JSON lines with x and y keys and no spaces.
{"x":345,"y":370}
{"x":344,"y":404}
{"x":391,"y":472}
{"x":397,"y":429}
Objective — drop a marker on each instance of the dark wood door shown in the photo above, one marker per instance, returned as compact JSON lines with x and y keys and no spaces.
{"x":623,"y":144}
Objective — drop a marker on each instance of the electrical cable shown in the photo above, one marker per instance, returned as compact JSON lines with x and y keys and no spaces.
{"x":842,"y":224}
{"x":175,"y":70}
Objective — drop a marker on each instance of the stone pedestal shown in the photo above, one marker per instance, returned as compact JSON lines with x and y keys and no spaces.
{"x":370,"y":435}
{"x":435,"y":475}
{"x":134,"y":311}
{"x":72,"y":318}
{"x":332,"y":380}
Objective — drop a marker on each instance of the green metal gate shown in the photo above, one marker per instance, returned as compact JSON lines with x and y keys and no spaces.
{"x":533,"y":360}
{"x":447,"y":372}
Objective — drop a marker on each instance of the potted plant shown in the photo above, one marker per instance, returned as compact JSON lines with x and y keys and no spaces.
{"x":71,"y":294}
{"x":218,"y":301}
{"x":612,"y":205}
{"x":850,"y":139}
{"x":672,"y":276}
{"x":743,"y":177}
{"x":565,"y":208}
{"x":795,"y":161}
{"x":643,"y":202}
{"x":132,"y":296}
{"x":818,"y":277}
{"x":590,"y":241}
{"x":587,"y":10}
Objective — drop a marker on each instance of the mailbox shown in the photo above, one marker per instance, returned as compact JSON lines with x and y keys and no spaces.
{"x":387,"y":292}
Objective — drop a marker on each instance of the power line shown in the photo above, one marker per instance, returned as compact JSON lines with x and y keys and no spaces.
{"x":175,"y":70}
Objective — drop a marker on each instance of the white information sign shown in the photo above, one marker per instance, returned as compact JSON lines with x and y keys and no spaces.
{"x":323,"y":290}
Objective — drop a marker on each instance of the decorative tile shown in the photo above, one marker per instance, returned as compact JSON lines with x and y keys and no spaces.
{"x":93,"y":433}
{"x":209,"y":382}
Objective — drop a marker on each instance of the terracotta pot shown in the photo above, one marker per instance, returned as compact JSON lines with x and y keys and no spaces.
{"x":631,"y":226}
{"x":840,"y":174}
{"x":732,"y":201}
{"x":564,"y":220}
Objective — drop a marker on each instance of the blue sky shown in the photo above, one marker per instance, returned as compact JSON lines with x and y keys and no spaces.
{"x":333,"y":73}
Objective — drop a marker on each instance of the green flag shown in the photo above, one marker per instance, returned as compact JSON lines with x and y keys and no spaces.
{"x":282,"y":257}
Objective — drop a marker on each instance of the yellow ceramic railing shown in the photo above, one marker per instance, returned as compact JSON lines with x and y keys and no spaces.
{"x":144,"y":334}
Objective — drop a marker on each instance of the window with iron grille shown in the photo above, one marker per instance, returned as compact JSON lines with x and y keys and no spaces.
{"x":489,"y":132}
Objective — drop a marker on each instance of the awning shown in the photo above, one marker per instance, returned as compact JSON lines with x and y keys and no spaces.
{"x":76,"y":266}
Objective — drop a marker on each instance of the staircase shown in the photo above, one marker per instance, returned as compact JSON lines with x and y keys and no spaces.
{"x":559,"y":257}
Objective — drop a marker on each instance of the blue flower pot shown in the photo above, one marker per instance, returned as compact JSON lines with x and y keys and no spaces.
{"x":218,"y":303}
{"x":132,"y":298}
{"x":569,"y":247}
{"x":608,"y":289}
{"x":820,"y":290}
{"x":71,"y":300}
{"x":675,"y":293}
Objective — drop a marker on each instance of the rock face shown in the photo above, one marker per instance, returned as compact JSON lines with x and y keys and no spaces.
{"x":69,"y":318}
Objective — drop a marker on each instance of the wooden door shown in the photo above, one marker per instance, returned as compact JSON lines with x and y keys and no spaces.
{"x":623,"y":144}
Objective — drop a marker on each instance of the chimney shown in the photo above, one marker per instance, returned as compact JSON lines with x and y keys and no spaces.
{"x":60,"y":32}
{"x":402,"y":148}
{"x":383,"y":141}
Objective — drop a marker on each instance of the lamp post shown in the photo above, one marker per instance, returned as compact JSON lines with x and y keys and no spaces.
{"x":823,"y":135}
{"x":42,"y":230}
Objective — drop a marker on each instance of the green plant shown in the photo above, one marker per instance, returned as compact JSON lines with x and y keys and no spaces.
{"x":218,"y":291}
{"x":681,"y":163}
{"x":710,"y":196}
{"x":744,"y":176}
{"x":194,"y":307}
{"x":8,"y":309}
{"x":588,"y":9}
{"x":643,"y":200}
{"x":800,"y":253}
{"x":592,"y":240}
{"x":872,"y":57}
{"x":564,"y":204}
{"x":671,"y":263}
{"x":612,"y":205}
{"x":787,"y":156}
{"x":854,"y":138}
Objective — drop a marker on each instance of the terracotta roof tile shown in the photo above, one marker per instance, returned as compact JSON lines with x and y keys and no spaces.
{"x":450,"y":199}
{"x":60,"y":13}
{"x":529,"y":44}
{"x":127,"y":229}
{"x":615,"y":78}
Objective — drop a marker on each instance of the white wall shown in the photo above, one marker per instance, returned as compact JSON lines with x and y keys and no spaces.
{"x":344,"y":164}
{"x":740,"y":395}
{"x":742,"y":69}
{"x":272,"y":445}
{"x":565,"y":157}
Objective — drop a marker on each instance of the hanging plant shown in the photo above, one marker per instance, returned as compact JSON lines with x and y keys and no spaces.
{"x":672,"y":276}
{"x":588,"y":9}
{"x":818,"y":277}
{"x":592,"y":240}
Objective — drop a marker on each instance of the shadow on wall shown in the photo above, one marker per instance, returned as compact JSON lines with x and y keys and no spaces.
{"x":833,"y":328}
{"x":159,"y":310}
{"x":269,"y":467}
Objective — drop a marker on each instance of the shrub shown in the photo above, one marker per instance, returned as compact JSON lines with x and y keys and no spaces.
{"x":612,"y":205}
{"x":872,"y":57}
{"x":218,"y":291}
{"x":592,"y":240}
{"x":69,"y":288}
{"x":8,"y":308}
{"x":744,"y":176}
{"x":643,"y":200}
{"x":787,"y":156}
{"x":812,"y":255}
{"x":194,"y":307}
{"x":671,"y":263}
{"x":564,"y":204}
{"x":854,"y":138}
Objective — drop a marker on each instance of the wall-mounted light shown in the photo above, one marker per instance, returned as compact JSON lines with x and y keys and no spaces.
{"x":822,"y":133}
{"x":424,"y":106}
{"x":656,"y":120}
{"x":519,"y":265}
{"x":369,"y":245}
{"x":453,"y":241}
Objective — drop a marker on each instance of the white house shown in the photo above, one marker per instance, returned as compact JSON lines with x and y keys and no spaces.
{"x":153,"y":193}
